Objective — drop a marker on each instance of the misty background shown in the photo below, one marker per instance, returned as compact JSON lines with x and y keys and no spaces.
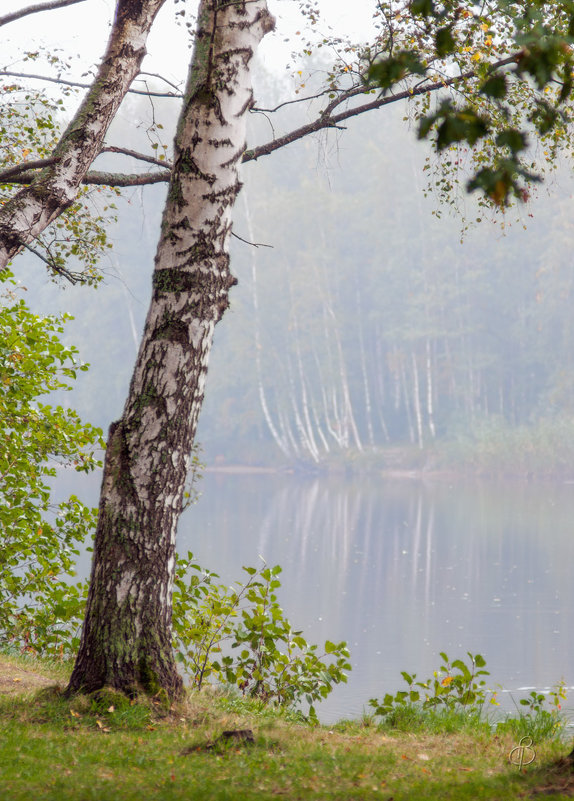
{"x":371,"y":326}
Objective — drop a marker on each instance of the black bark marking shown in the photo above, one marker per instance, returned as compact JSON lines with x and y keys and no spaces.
{"x":220,"y":143}
{"x":228,"y":194}
{"x":172,"y":329}
{"x":187,"y":165}
{"x":170,"y":280}
{"x":120,"y":462}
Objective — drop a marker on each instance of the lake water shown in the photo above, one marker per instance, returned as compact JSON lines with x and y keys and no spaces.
{"x":402,"y":570}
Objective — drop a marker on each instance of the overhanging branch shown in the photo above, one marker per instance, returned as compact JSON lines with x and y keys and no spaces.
{"x":124,"y":151}
{"x":327,"y":119}
{"x":80,"y":85}
{"x":24,"y":12}
{"x":99,"y":178}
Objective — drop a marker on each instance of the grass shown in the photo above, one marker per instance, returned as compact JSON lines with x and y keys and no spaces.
{"x":104,"y":747}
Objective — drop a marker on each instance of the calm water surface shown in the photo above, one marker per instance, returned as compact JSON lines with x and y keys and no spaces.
{"x":403,"y":570}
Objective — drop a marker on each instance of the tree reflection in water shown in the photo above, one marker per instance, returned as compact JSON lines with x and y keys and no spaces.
{"x":403,"y":570}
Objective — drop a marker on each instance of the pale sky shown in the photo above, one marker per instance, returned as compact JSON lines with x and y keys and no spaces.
{"x":83,"y":30}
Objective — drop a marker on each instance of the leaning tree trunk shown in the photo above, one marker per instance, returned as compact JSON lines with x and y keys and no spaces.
{"x":32,"y":209}
{"x":126,"y":638}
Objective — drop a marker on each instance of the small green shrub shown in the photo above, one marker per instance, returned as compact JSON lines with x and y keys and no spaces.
{"x":543,"y":719}
{"x":241,"y":637}
{"x":455,"y":697}
{"x":454,"y":685}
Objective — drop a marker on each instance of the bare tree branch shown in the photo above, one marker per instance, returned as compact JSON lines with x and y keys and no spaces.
{"x":165,"y":80}
{"x":253,"y":244}
{"x":80,"y":85}
{"x":98,"y":178}
{"x":258,"y":110}
{"x":101,"y":178}
{"x":11,"y":172}
{"x":135,"y":155}
{"x":24,"y":12}
{"x":327,"y":119}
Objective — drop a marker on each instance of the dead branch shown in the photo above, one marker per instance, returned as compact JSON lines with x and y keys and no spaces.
{"x":80,"y":85}
{"x":24,"y":12}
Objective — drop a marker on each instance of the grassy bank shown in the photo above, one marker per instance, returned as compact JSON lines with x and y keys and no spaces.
{"x":108,"y":748}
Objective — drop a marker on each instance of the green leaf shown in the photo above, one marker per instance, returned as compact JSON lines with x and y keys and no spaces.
{"x":444,"y":41}
{"x":513,"y":139}
{"x":424,"y":8}
{"x":388,"y":71}
{"x":495,"y":87}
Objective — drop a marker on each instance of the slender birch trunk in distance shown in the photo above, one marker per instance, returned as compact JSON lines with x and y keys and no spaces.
{"x":126,"y":639}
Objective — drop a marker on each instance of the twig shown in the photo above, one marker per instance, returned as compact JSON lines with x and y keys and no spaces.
{"x":253,"y":244}
{"x":134,"y":154}
{"x":73,"y":278}
{"x":80,"y":85}
{"x":24,"y":12}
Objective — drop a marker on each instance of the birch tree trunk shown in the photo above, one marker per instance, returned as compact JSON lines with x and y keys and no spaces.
{"x":417,"y":400}
{"x":279,"y":440}
{"x":126,"y":639}
{"x":32,"y":209}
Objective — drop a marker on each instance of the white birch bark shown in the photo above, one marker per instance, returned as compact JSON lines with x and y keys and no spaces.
{"x":126,"y":638}
{"x":380,"y":383}
{"x":405,"y":394}
{"x":314,"y":450}
{"x":279,"y":440}
{"x":430,"y":408}
{"x":365,"y":373}
{"x":417,"y":401}
{"x":305,"y":441}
